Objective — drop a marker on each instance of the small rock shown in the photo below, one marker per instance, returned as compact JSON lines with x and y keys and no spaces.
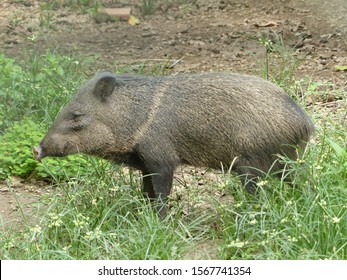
{"x":323,"y":62}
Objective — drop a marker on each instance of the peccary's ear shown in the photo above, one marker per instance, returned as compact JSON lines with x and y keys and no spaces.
{"x":104,"y":86}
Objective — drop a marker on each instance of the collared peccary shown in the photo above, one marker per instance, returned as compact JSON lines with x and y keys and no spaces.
{"x":156,"y":123}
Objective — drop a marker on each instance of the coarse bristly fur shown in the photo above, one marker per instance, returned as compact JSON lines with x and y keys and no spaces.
{"x":155,"y":124}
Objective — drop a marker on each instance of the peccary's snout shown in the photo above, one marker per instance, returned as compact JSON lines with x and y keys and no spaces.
{"x":38,"y":154}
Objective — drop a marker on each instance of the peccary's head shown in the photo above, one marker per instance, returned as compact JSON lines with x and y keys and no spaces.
{"x":84,"y":124}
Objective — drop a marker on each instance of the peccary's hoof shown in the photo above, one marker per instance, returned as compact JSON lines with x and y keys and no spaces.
{"x":251,"y":188}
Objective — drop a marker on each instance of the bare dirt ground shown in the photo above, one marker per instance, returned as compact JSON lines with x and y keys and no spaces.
{"x":196,"y":36}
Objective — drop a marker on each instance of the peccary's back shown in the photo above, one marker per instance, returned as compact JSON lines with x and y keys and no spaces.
{"x":212,"y":118}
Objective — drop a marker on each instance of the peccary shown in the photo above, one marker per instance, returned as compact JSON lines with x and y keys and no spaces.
{"x":156,"y":123}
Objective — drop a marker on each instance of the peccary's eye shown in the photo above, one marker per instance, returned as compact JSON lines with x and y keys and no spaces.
{"x":76,"y":115}
{"x":76,"y":121}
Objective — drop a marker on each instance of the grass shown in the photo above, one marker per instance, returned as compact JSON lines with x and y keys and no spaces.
{"x":98,"y":211}
{"x":46,"y":18}
{"x":148,"y":7}
{"x":98,"y":219}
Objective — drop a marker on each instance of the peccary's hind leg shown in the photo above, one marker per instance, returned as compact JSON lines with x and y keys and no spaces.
{"x":250,"y":182}
{"x":248,"y":178}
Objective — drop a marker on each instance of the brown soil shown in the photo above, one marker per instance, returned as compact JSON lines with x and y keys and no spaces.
{"x":18,"y":199}
{"x":197,"y":36}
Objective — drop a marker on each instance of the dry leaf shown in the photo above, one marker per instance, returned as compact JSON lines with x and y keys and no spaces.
{"x":133,"y":20}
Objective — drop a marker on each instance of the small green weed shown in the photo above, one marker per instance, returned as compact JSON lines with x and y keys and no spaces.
{"x":17,"y":158}
{"x":81,"y":5}
{"x":16,"y":149}
{"x":148,"y":7}
{"x":46,"y":14}
{"x":280,"y":65}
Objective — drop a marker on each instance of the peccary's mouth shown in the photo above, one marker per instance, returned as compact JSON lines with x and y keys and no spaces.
{"x":38,"y":153}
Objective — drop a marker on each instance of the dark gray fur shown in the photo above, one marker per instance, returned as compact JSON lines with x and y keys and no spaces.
{"x":155,"y":124}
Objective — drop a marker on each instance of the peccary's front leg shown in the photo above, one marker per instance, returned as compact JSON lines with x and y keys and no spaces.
{"x":157,"y":186}
{"x":162,"y":184}
{"x":147,"y":185}
{"x":158,"y":163}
